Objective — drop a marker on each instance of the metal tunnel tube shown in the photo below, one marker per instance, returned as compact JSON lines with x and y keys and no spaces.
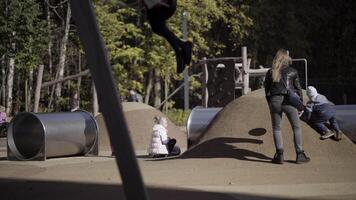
{"x":198,"y":120}
{"x":37,"y":136}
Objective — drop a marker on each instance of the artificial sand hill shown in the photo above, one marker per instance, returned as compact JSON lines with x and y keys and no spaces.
{"x":231,"y":161}
{"x":139,"y":118}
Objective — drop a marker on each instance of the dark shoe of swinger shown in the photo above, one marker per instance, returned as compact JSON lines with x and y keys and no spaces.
{"x":278,"y":158}
{"x":302,"y":158}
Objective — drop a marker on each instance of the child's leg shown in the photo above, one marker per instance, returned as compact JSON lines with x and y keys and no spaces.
{"x":158,"y":25}
{"x":319,"y":127}
{"x":334,"y":125}
{"x":157,"y":18}
{"x":170,"y":144}
{"x":175,"y":151}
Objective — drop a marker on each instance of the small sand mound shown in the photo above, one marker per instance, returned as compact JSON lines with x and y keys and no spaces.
{"x":139,"y":118}
{"x":243,"y":130}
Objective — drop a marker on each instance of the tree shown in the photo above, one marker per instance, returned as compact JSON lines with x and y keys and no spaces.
{"x":21,"y":30}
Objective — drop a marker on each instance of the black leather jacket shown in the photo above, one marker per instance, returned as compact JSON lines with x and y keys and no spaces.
{"x":291,"y":79}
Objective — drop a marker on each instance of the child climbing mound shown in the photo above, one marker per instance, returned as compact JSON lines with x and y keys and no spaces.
{"x":321,"y":115}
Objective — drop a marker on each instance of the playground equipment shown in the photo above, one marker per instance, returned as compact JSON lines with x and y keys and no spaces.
{"x":198,"y":121}
{"x":224,"y":79}
{"x":227,"y":78}
{"x":37,"y":136}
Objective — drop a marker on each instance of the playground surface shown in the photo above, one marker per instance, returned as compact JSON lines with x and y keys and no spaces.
{"x":231,"y":161}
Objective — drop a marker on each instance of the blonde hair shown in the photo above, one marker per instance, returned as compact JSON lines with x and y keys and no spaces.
{"x":160,"y":120}
{"x":281,"y":60}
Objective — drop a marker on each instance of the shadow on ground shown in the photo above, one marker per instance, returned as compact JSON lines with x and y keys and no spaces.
{"x":226,"y":147}
{"x":15,"y":189}
{"x":257,"y":131}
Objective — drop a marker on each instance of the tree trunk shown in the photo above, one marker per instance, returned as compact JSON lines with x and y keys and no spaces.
{"x":18,"y":102}
{"x":62,"y":54}
{"x":50,"y":44}
{"x":49,"y":48}
{"x":3,"y":81}
{"x":10,"y":85}
{"x":38,"y":88}
{"x":50,"y":101}
{"x":157,"y":89}
{"x":79,"y":81}
{"x":30,"y":90}
{"x":26,"y":94}
{"x":149,"y":87}
{"x":10,"y":80}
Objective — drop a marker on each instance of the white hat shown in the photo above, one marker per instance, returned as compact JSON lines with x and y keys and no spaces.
{"x":132,"y":92}
{"x":311,"y":92}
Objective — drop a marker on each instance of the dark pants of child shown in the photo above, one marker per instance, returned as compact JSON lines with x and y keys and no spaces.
{"x":321,"y":125}
{"x":173,"y":150}
{"x":157,"y":17}
{"x":3,"y":128}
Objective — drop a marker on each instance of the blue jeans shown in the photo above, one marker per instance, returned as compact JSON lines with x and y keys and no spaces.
{"x":322,"y":126}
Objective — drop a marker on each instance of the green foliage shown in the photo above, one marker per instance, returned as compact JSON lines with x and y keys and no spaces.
{"x":134,"y":50}
{"x":178,"y":116}
{"x":321,"y":31}
{"x":122,"y":38}
{"x":22,"y":31}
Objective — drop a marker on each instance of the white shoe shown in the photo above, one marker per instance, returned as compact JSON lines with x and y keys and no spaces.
{"x":326,"y":135}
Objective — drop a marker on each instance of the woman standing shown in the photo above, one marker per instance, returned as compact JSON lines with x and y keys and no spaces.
{"x":279,"y":79}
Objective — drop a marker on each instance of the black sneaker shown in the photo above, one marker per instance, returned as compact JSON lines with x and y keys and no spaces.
{"x":302,"y":158}
{"x":278,"y":157}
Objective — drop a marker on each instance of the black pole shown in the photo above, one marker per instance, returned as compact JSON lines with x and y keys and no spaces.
{"x":109,"y":99}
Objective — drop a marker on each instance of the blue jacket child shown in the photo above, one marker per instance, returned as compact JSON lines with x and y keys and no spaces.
{"x":322,"y":115}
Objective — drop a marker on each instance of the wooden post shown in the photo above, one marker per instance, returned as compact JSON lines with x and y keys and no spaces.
{"x":246,"y":84}
{"x":95,"y":101}
{"x":205,"y":77}
{"x":166,"y":94}
{"x":185,"y":73}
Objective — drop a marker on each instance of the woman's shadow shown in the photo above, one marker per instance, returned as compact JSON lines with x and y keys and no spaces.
{"x":226,"y":147}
